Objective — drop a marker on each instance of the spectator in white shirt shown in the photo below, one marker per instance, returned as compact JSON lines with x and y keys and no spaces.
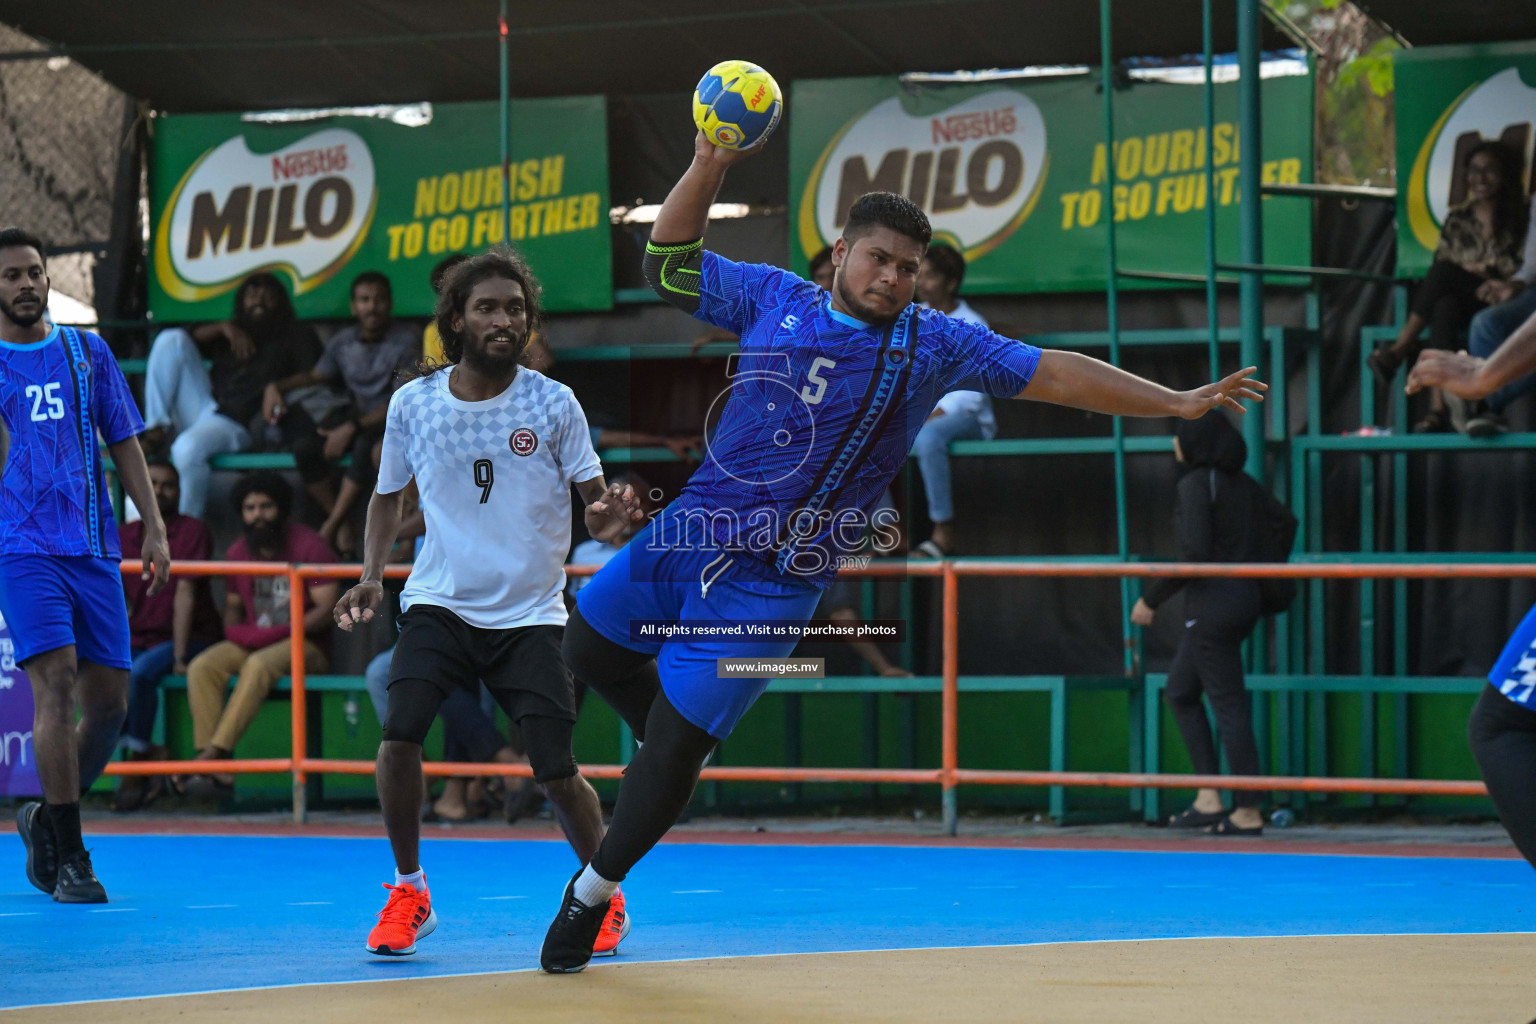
{"x":960,"y":415}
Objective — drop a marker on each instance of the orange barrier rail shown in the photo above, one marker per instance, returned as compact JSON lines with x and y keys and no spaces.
{"x":949,"y":774}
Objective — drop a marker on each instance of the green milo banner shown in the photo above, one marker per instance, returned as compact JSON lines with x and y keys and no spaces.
{"x":1450,"y":98}
{"x":321,"y":201}
{"x":1012,"y":174}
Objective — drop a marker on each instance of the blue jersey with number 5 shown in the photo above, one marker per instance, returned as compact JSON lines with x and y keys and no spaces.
{"x":56,"y":396}
{"x":821,"y":411}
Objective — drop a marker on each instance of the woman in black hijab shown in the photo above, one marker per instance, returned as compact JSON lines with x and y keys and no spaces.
{"x":1215,"y":515}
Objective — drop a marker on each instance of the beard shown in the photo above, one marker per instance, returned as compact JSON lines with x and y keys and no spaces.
{"x":862,"y":311}
{"x":478,"y":358}
{"x":24,"y":319}
{"x":264,"y":536}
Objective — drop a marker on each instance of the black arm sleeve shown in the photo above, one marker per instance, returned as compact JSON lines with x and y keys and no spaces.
{"x":1192,"y":519}
{"x":672,"y":271}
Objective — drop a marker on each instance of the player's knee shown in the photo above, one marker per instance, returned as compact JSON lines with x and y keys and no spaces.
{"x":549,"y":748}
{"x":553,"y":776}
{"x":413,"y":704}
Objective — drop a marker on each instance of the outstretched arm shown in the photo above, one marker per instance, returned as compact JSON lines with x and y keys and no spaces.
{"x":1467,"y":376}
{"x":1082,"y":382}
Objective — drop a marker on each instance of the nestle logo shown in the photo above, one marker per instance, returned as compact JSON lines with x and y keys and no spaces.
{"x":309,"y":161}
{"x":981,"y":125}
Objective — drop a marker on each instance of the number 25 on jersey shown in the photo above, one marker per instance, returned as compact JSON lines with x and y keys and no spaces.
{"x":40,"y":395}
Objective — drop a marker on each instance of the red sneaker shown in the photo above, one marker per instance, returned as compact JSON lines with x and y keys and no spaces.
{"x":615,"y":927}
{"x":407,"y":916}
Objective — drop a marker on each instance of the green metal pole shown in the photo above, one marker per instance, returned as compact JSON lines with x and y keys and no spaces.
{"x":1250,"y":213}
{"x":506,"y":131}
{"x":1112,"y":296}
{"x":1212,"y":319}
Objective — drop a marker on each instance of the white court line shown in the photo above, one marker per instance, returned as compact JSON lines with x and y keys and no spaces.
{"x":755,"y":956}
{"x":22,"y":913}
{"x":503,"y":897}
{"x":312,"y":903}
{"x":692,"y":892}
{"x":115,"y":910}
{"x":215,"y":906}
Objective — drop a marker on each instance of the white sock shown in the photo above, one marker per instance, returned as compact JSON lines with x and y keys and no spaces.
{"x":417,"y":879}
{"x":593,"y":889}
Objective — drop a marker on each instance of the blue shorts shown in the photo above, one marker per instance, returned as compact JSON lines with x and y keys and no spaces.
{"x":1514,"y":674}
{"x":642,"y":583}
{"x":53,"y":601}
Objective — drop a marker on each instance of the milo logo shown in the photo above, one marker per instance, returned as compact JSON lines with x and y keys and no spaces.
{"x":302,"y":210}
{"x":976,"y":168}
{"x":1502,"y":108}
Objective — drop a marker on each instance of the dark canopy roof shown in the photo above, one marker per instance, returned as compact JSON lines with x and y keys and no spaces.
{"x":264,"y":54}
{"x":1439,"y":22}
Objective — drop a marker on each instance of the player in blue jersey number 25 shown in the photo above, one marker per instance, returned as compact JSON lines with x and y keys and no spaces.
{"x":61,"y":592}
{"x":828,"y":394}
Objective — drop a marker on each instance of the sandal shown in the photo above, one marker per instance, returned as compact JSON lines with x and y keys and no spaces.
{"x":1384,"y":363}
{"x":1436,"y":421}
{"x":1191,"y":818}
{"x":929,"y":549}
{"x":1226,"y":827}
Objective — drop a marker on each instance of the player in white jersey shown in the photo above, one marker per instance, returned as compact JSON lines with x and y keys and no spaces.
{"x":494,"y":449}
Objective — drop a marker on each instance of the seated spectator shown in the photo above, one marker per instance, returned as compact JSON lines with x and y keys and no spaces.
{"x":960,"y":415}
{"x":167,"y":630}
{"x":257,"y":645}
{"x":1481,"y":242}
{"x":364,"y":359}
{"x":1511,"y":303}
{"x":203,"y":412}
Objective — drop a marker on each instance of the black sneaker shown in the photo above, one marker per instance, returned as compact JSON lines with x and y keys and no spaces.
{"x":77,"y":882}
{"x":568,"y":943}
{"x":42,"y":850}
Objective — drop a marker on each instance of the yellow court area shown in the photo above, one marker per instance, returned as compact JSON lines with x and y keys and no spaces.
{"x":1357,"y":979}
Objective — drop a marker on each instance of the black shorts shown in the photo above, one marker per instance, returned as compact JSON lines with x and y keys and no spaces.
{"x":521,"y":667}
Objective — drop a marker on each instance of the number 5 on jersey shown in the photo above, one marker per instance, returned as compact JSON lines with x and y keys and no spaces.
{"x":814,"y":374}
{"x":40,"y":394}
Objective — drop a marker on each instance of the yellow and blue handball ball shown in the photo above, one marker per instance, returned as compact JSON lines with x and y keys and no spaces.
{"x":737,"y":104}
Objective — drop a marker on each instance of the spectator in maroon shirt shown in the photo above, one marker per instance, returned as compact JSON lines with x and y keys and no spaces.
{"x":256,"y":645}
{"x":168,"y":629}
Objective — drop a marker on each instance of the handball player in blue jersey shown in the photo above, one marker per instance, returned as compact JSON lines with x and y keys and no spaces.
{"x":828,"y":392}
{"x":1502,"y":728}
{"x":61,"y":592}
